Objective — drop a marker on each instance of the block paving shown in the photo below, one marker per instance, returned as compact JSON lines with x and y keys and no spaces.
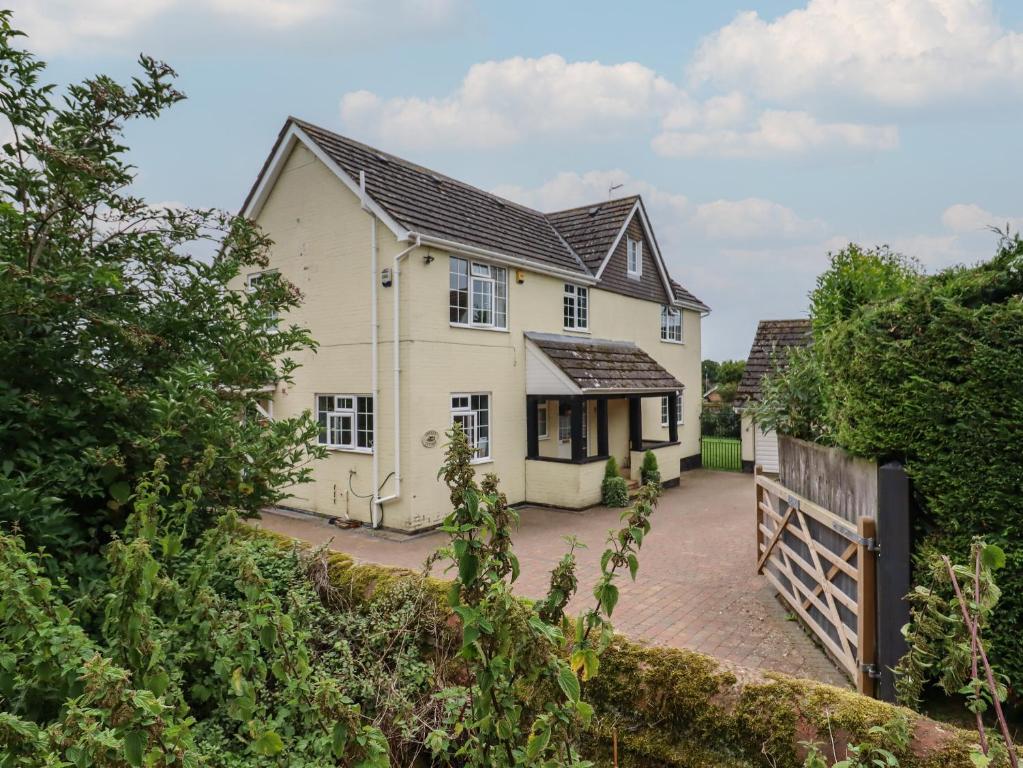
{"x":696,"y":587}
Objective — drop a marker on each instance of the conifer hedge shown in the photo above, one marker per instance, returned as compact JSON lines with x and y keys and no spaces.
{"x":934,"y":377}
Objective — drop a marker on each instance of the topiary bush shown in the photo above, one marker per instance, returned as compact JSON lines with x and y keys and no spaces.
{"x":649,"y":472}
{"x":614,"y":491}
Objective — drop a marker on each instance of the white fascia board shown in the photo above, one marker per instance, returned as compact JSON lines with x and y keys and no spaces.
{"x":618,"y":239}
{"x":293,"y":135}
{"x":658,"y":260}
{"x":505,"y":259}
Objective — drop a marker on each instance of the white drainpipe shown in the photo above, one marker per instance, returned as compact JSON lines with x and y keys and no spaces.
{"x":374,"y":350}
{"x":396,"y":277}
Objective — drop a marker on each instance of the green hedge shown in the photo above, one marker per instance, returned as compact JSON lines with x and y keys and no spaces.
{"x":934,"y":377}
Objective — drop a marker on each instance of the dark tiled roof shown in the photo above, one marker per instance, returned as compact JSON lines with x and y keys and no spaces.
{"x":591,"y":230}
{"x":769,"y":352}
{"x":681,"y":294}
{"x":427,"y":202}
{"x":600,"y":364}
{"x":431,"y":203}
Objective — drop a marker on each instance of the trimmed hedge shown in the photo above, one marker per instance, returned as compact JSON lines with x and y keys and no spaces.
{"x":673,"y":708}
{"x":934,"y":378}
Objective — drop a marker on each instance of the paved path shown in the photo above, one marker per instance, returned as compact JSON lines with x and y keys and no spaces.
{"x":696,"y":586}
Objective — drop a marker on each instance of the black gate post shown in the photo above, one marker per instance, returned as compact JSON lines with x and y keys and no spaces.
{"x":894,"y":533}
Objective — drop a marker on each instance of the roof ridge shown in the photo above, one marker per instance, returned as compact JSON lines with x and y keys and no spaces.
{"x":594,"y":205}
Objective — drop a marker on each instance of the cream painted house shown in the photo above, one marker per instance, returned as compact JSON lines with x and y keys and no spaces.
{"x":555,"y":339}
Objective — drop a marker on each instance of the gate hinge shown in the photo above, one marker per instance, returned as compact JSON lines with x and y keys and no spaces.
{"x":871,"y":670}
{"x":871,"y":544}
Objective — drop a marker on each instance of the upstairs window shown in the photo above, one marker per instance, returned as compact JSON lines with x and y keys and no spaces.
{"x":664,"y":410}
{"x":472,"y":412}
{"x":346,"y":421}
{"x":478,"y":295}
{"x":671,"y":324}
{"x":252,"y":285}
{"x":577,"y":307}
{"x":634,"y":255}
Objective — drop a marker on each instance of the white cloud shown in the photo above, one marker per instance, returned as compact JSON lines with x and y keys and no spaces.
{"x":970,"y":217}
{"x":501,"y":102}
{"x":897,"y":52}
{"x":773,"y":132}
{"x":72,"y":27}
{"x":753,"y":218}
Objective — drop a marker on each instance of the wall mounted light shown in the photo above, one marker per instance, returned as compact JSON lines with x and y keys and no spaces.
{"x":428,"y":258}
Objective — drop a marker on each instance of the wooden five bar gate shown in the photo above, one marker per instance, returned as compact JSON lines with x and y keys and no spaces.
{"x":824,"y":567}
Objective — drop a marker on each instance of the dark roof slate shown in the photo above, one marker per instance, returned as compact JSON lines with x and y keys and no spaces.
{"x":605,"y":365}
{"x":591,"y":229}
{"x":431,"y":203}
{"x":681,"y":294}
{"x":769,"y":352}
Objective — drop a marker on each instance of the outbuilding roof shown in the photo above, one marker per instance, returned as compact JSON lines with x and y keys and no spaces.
{"x":603,"y":365}
{"x":769,"y":352}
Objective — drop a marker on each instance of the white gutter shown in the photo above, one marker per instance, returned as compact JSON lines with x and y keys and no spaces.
{"x":502,"y":258}
{"x":396,"y":277}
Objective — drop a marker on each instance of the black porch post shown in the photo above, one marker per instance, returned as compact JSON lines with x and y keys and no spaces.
{"x":673,"y":417}
{"x":578,"y":413}
{"x":532,"y":427}
{"x":602,"y":427}
{"x":636,"y":423}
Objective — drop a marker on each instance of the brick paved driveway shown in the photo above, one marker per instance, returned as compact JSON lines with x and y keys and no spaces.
{"x":696,"y":586}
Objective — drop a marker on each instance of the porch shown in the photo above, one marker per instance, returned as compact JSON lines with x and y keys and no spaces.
{"x":584,"y":404}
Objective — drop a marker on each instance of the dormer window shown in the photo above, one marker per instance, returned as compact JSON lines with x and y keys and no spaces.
{"x":634,"y":255}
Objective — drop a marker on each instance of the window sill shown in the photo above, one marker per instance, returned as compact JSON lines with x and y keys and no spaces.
{"x":476,"y":462}
{"x":543,"y":437}
{"x":673,"y":341}
{"x":582,"y":331}
{"x":634,"y":275}
{"x":478,"y":327}
{"x":339,"y":449}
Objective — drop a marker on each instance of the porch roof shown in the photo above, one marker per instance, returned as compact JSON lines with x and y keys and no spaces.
{"x":592,"y":366}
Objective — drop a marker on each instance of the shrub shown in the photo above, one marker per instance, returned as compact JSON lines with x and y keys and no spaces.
{"x":614,"y":491}
{"x":720,"y":421}
{"x":649,"y":472}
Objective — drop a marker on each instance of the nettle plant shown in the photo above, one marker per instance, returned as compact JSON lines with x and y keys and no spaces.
{"x":521,"y":702}
{"x":946,"y":643}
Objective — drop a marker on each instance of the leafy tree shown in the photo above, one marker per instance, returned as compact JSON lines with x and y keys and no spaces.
{"x":117,"y":344}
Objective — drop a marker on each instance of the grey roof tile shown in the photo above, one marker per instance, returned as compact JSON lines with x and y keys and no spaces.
{"x":603,"y":364}
{"x":769,"y":352}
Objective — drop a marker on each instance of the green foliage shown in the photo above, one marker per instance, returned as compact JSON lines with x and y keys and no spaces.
{"x":117,"y":344}
{"x":886,"y":742}
{"x":720,"y":421}
{"x":724,"y":373}
{"x":648,"y":471}
{"x":924,"y":369}
{"x":614,"y":491}
{"x":521,"y":703}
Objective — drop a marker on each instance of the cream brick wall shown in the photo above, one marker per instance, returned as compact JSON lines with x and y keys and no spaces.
{"x":322,"y":244}
{"x":572,"y":486}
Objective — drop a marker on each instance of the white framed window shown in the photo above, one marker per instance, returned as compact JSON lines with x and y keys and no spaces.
{"x":478,"y":294}
{"x":576,"y":308}
{"x":634,"y":257}
{"x":565,"y":425}
{"x":541,"y":421}
{"x":252,"y":282}
{"x":664,"y":410}
{"x":671,"y":324}
{"x":346,"y":421}
{"x":472,"y":411}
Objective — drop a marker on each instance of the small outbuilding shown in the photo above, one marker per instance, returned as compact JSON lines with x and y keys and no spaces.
{"x":769,"y":354}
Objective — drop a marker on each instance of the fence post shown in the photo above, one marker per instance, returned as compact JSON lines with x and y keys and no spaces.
{"x":866,"y":603}
{"x":757,"y":472}
{"x":894,"y":532}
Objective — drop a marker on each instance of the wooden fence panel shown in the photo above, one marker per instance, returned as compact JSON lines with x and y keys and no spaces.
{"x":721,"y":453}
{"x":823,"y":566}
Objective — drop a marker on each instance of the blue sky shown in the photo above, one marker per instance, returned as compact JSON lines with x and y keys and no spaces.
{"x":761,"y":134}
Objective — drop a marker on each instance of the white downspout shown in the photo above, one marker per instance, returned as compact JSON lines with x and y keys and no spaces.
{"x":396,"y":276}
{"x":374,"y":348}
